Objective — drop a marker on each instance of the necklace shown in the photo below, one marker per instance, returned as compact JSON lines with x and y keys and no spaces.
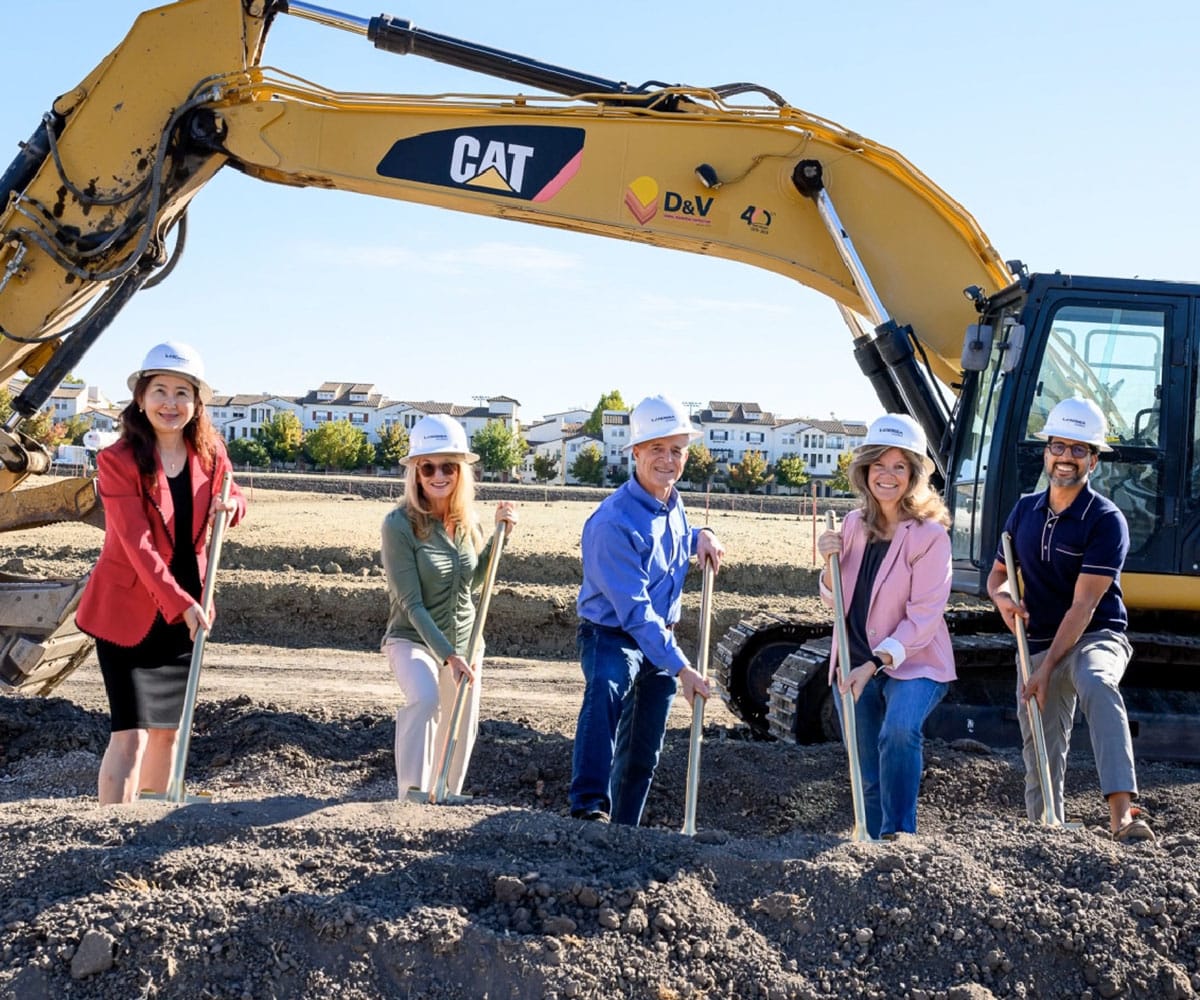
{"x":172,"y":463}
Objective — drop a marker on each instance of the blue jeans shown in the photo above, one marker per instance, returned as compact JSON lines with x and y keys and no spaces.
{"x":621,"y":725}
{"x":888,"y":718}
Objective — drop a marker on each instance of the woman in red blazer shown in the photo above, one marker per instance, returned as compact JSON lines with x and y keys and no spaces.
{"x":894,"y":557}
{"x":160,"y":487}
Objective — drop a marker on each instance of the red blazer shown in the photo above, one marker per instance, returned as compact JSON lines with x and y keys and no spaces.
{"x":132,"y":579}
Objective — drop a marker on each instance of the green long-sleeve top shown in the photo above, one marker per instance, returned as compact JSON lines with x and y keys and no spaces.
{"x":429,"y":585}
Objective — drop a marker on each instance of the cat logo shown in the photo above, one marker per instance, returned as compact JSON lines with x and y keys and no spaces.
{"x":526,"y":162}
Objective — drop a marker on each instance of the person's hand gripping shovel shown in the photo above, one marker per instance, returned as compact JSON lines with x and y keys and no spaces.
{"x":175,"y":787}
{"x":849,"y":730}
{"x":1049,"y":816}
{"x":438,"y":793}
{"x":693,"y":767}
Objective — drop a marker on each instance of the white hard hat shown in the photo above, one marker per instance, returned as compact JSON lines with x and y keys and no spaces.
{"x":174,"y":358}
{"x":659,"y":417}
{"x":438,"y":434}
{"x":896,"y":430}
{"x":1077,"y":420}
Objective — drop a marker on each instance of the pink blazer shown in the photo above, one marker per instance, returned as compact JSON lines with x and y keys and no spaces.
{"x":132,"y":579}
{"x":908,"y":599}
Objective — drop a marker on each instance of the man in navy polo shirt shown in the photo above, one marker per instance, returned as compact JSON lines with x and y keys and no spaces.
{"x":1070,"y":544}
{"x":636,"y":549}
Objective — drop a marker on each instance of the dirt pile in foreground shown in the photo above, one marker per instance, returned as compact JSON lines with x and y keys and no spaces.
{"x":306,"y":878}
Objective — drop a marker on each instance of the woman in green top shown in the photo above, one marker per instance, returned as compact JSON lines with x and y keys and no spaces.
{"x":433,"y":557}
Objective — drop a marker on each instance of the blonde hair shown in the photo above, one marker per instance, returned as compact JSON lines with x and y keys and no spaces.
{"x":919,"y":503}
{"x":462,"y":501}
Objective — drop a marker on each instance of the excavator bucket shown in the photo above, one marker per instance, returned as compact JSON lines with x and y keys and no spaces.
{"x":40,"y":644}
{"x":64,"y":500}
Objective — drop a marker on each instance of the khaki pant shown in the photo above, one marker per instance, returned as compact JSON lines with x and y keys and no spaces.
{"x":422,"y":721}
{"x":1089,"y":674}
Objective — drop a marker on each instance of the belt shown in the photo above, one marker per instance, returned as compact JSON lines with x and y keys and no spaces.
{"x":616,"y":628}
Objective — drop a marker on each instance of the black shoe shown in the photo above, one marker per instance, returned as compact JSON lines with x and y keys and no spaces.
{"x":592,"y":815}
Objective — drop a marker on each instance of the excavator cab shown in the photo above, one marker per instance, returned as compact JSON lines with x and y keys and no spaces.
{"x":1130,"y":346}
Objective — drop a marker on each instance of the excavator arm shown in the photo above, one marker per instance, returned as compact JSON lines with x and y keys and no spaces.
{"x":89,"y":203}
{"x":89,"y":206}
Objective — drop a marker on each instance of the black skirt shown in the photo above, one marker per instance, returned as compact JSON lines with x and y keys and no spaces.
{"x":146,"y":683}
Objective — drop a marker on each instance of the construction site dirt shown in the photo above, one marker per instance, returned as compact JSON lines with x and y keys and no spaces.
{"x":302,"y":875}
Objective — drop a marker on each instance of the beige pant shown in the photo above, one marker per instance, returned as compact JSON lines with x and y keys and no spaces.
{"x":424,"y":718}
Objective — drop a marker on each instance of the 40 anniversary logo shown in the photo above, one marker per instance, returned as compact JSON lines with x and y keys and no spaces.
{"x":527,"y":162}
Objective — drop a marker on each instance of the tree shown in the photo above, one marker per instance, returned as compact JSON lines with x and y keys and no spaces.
{"x":392,"y":446}
{"x":588,"y":466}
{"x":700,"y":465}
{"x":74,"y":428}
{"x":791,"y":471}
{"x":337,"y":444}
{"x":545,"y":467}
{"x":282,"y":436}
{"x":500,"y":450}
{"x":248,"y":451}
{"x":42,"y":428}
{"x":609,"y":401}
{"x":619,"y":475}
{"x":839,"y":482}
{"x":366,"y":453}
{"x":749,"y":474}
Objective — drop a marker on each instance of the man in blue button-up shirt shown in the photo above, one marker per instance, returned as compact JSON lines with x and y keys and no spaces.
{"x":1070,"y":544}
{"x":636,"y":549}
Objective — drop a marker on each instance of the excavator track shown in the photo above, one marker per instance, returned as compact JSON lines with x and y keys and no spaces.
{"x":796,"y":705}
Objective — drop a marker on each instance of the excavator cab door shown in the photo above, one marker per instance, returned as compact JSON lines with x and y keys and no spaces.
{"x":1129,"y":346}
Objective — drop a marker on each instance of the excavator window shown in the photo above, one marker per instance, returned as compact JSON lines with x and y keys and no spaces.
{"x":1113,"y":356}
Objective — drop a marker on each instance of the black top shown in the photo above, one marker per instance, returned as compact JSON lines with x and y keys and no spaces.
{"x":856,"y":614}
{"x":184,"y":567}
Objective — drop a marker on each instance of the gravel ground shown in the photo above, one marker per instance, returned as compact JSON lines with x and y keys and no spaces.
{"x":304,"y":876}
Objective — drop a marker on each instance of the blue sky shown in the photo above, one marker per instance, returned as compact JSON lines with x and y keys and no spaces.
{"x":1069,"y":130}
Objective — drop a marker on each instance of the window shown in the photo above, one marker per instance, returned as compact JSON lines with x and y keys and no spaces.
{"x":358,"y":418}
{"x":1113,"y":356}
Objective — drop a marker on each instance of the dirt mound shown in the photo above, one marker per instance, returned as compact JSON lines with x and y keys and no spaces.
{"x":306,"y":878}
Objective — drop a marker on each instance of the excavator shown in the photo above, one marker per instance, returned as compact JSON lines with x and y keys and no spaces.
{"x":94,"y":208}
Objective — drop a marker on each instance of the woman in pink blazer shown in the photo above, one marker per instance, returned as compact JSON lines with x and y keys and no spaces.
{"x":894,"y":554}
{"x":160,"y":487}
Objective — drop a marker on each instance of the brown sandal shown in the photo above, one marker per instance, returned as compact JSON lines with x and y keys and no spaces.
{"x":1135,"y":829}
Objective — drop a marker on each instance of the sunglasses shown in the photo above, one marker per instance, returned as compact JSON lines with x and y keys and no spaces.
{"x":427,"y":469}
{"x":1076,"y":450}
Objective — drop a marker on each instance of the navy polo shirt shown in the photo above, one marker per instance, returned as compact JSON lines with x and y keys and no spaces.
{"x":1052,"y":550}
